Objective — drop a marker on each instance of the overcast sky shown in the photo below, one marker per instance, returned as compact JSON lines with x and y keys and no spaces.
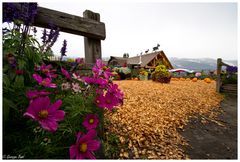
{"x":184,"y":30}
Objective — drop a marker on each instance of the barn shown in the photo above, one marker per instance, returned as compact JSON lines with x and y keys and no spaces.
{"x":147,"y":61}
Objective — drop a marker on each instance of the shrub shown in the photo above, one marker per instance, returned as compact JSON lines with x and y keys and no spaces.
{"x":161,"y":74}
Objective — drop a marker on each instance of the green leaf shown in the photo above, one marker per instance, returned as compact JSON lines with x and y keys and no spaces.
{"x":5,"y":68}
{"x":6,"y":81}
{"x":19,"y":81}
{"x":21,"y":64}
{"x":7,"y":104}
{"x":11,"y":75}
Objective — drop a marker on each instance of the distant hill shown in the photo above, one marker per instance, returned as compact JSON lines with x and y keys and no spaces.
{"x":198,"y":64}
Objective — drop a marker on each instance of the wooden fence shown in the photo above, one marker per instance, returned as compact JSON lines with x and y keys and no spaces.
{"x":88,"y":26}
{"x":230,"y":88}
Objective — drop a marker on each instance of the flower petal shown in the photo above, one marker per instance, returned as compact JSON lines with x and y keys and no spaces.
{"x":54,"y":107}
{"x":72,"y":151}
{"x":79,"y":156}
{"x":37,"y":77}
{"x":37,"y":105}
{"x":89,"y":155}
{"x":90,"y":135}
{"x":93,"y":145}
{"x":59,"y":115}
{"x":50,"y":125}
{"x":31,"y":115}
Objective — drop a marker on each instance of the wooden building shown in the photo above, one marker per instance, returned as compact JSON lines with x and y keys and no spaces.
{"x":146,"y":61}
{"x":117,"y":61}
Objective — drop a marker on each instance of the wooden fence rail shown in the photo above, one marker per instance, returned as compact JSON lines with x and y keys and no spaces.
{"x":219,"y":70}
{"x":88,"y":26}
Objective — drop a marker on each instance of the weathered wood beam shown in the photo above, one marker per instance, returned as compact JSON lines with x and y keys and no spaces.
{"x":224,"y":64}
{"x":219,"y":69}
{"x":70,"y":23}
{"x":150,"y":67}
{"x":92,"y":46}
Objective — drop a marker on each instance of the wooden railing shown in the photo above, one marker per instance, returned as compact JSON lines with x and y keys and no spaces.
{"x":88,"y":26}
{"x":219,"y":70}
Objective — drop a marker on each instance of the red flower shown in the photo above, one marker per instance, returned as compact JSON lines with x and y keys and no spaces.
{"x":19,"y":72}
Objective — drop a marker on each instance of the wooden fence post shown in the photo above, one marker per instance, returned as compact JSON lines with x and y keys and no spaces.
{"x":92,"y":46}
{"x":93,"y":52}
{"x":219,"y":69}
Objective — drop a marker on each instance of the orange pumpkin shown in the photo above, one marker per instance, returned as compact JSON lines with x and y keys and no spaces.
{"x":207,"y":80}
{"x":182,"y":79}
{"x":188,"y":79}
{"x":194,"y":79}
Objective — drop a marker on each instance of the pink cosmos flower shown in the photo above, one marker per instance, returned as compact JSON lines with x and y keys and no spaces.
{"x":108,"y":101}
{"x":101,"y":70}
{"x":84,"y":146}
{"x":47,"y":115}
{"x":77,"y":77}
{"x":46,"y":69}
{"x":91,"y":121}
{"x":114,"y":90}
{"x":89,"y":80}
{"x":46,"y":82}
{"x":111,"y":101}
{"x":100,"y":101}
{"x":76,"y":87}
{"x":79,"y":60}
{"x":66,"y":73}
{"x":99,"y":81}
{"x":33,"y":94}
{"x":66,"y":86}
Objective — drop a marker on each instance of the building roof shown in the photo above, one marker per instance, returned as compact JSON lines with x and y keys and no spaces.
{"x":118,"y":58}
{"x":146,"y":58}
{"x":117,"y":61}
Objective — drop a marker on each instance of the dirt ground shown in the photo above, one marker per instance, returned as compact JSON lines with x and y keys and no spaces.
{"x":153,"y":122}
{"x":213,"y":139}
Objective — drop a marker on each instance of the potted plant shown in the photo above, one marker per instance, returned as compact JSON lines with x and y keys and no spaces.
{"x":161,"y":74}
{"x":143,"y":74}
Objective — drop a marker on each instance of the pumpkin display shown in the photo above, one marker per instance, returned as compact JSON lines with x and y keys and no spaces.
{"x":194,"y":79}
{"x":207,"y":80}
{"x":174,"y":79}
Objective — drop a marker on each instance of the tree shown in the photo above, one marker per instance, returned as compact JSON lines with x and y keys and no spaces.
{"x":125,"y":55}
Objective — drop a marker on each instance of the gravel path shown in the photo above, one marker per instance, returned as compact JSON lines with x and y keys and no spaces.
{"x":153,"y":114}
{"x":212,"y":140}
